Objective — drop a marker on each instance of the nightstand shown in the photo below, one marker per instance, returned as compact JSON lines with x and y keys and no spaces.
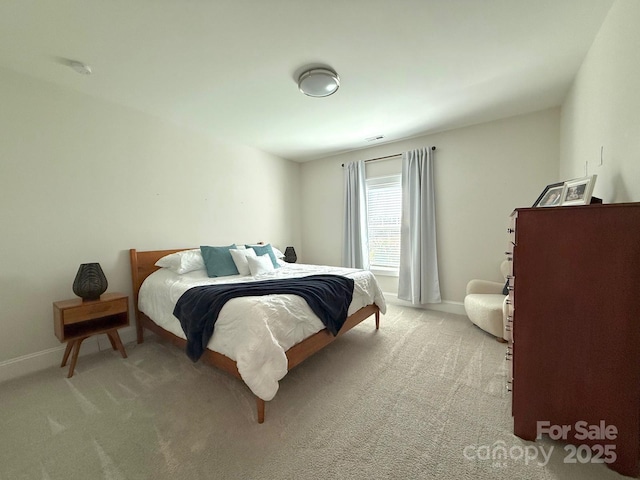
{"x":74,"y":320}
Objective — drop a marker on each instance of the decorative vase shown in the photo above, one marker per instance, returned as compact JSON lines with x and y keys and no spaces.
{"x":90,"y":282}
{"x":290,"y":255}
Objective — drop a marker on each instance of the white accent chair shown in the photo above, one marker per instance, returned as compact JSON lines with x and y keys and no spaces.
{"x":486,"y":305}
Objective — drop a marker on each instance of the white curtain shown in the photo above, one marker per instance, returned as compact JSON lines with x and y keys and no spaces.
{"x":355,"y":251}
{"x":418,"y":276}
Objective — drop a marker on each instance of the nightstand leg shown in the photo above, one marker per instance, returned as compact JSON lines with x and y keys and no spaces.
{"x":74,"y":357}
{"x":116,"y":343}
{"x":67,"y":351}
{"x":113,"y":343}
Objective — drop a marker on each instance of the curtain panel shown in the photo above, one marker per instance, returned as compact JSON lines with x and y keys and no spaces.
{"x":418,"y":281}
{"x":355,"y":251}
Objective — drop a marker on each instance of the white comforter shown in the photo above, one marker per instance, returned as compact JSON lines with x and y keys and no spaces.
{"x":254,"y":331}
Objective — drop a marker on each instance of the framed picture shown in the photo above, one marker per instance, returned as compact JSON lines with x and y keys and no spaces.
{"x":550,"y":196}
{"x":578,"y":191}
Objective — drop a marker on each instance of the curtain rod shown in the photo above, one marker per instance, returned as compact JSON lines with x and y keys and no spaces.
{"x":384,"y":158}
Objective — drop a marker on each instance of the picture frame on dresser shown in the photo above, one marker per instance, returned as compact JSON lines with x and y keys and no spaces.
{"x":551,"y":196}
{"x":578,"y":191}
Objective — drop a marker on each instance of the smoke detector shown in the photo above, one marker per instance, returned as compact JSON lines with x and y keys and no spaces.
{"x":80,"y":67}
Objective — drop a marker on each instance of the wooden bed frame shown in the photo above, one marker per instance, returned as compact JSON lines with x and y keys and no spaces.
{"x":143,"y":265}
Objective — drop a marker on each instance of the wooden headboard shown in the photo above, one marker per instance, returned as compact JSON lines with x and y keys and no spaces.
{"x":143,"y":265}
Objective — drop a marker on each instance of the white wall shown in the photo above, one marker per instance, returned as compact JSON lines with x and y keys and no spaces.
{"x":84,"y":180}
{"x":482,"y":173}
{"x":601,"y":109}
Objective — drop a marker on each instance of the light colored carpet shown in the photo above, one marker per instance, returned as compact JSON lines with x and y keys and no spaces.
{"x":400,"y":403}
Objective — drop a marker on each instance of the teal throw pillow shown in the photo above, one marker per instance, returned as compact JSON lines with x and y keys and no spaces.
{"x":218,"y":261}
{"x":262,"y":249}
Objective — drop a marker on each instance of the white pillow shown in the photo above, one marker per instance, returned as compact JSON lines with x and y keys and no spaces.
{"x":183,"y":262}
{"x":261,"y":264}
{"x":240,"y":256}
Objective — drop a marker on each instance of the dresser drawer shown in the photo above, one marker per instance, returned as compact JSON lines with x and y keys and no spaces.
{"x":508,"y":328}
{"x":511,"y":240}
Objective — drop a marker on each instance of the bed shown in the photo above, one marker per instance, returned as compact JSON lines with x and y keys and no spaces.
{"x":156,"y":291}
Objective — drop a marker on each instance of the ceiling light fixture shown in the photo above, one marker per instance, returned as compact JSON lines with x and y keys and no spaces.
{"x":80,"y":67}
{"x":319,"y":82}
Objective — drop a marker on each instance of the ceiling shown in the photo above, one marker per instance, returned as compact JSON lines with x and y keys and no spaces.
{"x":229,"y":67}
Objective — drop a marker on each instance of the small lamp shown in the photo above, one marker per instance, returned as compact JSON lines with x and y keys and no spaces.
{"x":90,"y":282}
{"x":290,"y":255}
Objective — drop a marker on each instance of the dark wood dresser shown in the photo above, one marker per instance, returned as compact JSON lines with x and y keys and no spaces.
{"x":574,"y":343}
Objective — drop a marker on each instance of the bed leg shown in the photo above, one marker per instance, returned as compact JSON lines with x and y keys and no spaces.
{"x":378,"y":320}
{"x":260,"y":403}
{"x":139,"y":329}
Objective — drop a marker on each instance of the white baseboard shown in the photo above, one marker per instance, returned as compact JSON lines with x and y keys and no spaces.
{"x":446,"y":305}
{"x":34,"y":362}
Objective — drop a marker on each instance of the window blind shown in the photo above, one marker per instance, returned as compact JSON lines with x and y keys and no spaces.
{"x":384,"y":211}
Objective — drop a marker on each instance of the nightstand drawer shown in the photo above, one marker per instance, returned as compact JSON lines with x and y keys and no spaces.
{"x":90,"y":311}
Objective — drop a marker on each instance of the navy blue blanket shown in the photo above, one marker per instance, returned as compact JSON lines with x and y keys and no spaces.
{"x":329,"y":296}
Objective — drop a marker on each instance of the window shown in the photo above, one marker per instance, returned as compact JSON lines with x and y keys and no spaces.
{"x":384,"y":214}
